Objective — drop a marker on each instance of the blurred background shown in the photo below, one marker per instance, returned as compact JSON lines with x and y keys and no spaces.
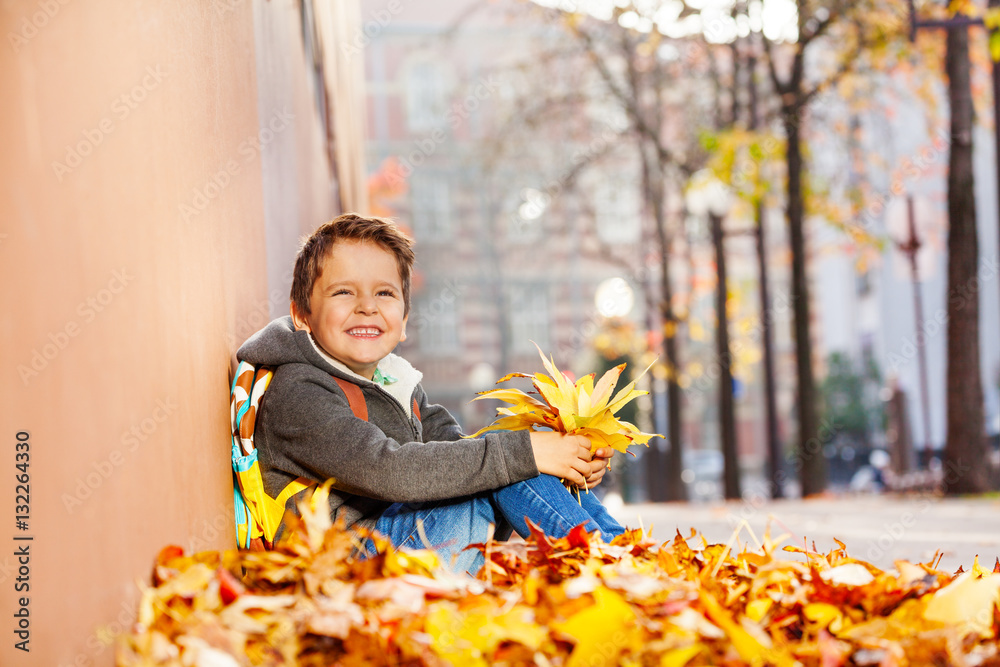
{"x":787,"y":208}
{"x":606,"y":179}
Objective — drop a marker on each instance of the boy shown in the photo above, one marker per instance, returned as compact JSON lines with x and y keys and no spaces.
{"x":342,"y":405}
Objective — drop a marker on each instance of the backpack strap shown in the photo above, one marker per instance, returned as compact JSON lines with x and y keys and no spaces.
{"x":292,"y":488}
{"x":355,"y":398}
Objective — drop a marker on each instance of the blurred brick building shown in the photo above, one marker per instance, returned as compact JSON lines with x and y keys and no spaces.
{"x":517,"y":227}
{"x":507,"y":253}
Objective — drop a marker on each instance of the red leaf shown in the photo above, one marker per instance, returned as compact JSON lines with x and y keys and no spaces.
{"x":168,"y":553}
{"x":578,"y":537}
{"x":230,"y":587}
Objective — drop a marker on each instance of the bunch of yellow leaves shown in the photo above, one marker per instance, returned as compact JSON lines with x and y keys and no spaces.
{"x":580,"y":408}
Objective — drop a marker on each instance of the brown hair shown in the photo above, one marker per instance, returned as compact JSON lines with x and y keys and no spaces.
{"x":382,"y":232}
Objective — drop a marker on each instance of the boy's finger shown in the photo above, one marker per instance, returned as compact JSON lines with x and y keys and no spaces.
{"x":582,"y":468}
{"x":595,"y":478}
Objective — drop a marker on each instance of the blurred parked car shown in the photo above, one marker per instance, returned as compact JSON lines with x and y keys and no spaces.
{"x":702,"y":474}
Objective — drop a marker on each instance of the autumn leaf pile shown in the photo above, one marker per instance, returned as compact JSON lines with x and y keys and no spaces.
{"x":570,"y":601}
{"x":578,"y":408}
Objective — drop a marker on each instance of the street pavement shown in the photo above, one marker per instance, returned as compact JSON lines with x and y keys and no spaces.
{"x":877,"y":529}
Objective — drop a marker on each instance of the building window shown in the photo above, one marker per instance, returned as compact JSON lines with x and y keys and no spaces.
{"x":528,"y":317}
{"x":435,"y":319}
{"x":426,"y":96}
{"x":430,"y":201}
{"x":617,"y":211}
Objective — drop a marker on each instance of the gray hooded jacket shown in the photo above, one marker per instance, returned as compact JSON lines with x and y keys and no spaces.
{"x":306,"y":428}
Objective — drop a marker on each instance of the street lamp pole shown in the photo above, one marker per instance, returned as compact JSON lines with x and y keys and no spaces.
{"x":910,"y":248}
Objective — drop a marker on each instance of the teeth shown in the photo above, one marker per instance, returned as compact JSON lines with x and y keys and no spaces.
{"x":364,"y":332}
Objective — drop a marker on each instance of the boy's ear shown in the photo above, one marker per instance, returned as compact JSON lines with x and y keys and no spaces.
{"x":402,"y":335}
{"x":298,"y":319}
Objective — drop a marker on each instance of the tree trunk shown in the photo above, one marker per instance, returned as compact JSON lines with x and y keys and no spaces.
{"x":675,"y":458}
{"x":965,"y":464}
{"x":654,"y":183}
{"x":812,"y":466}
{"x":775,"y":469}
{"x":727,"y":417}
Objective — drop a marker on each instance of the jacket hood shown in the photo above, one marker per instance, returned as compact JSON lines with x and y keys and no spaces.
{"x":279,"y":343}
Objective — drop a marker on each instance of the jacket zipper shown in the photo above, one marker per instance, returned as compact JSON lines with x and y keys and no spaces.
{"x":402,"y":410}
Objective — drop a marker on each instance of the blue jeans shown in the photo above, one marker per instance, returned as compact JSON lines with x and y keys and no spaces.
{"x":452,"y":525}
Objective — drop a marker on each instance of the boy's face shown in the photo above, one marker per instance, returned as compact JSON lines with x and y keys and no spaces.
{"x":357,"y":306}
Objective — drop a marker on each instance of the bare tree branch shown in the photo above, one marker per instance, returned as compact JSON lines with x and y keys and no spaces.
{"x":629,"y":102}
{"x":847,"y":65}
{"x":779,"y":87}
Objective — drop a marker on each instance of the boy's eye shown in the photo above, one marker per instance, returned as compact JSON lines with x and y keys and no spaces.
{"x":341,"y":291}
{"x":387,"y":292}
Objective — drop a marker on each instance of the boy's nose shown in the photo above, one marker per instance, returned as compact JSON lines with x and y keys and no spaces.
{"x":366,"y":305}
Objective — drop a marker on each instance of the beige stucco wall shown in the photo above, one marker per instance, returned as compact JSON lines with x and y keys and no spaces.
{"x":139,"y":198}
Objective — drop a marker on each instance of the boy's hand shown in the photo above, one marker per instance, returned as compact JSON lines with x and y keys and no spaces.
{"x":564,"y":456}
{"x":599,"y":466}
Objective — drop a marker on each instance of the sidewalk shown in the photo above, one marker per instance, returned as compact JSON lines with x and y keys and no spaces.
{"x":877,"y":529}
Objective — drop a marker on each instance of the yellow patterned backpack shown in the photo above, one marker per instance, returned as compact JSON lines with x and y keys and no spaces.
{"x":257,"y":514}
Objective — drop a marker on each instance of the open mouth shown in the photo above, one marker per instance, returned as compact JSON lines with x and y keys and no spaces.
{"x":364,"y":332}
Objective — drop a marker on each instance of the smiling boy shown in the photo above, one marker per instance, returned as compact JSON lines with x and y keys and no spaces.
{"x":342,"y":405}
{"x":358,"y":314}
